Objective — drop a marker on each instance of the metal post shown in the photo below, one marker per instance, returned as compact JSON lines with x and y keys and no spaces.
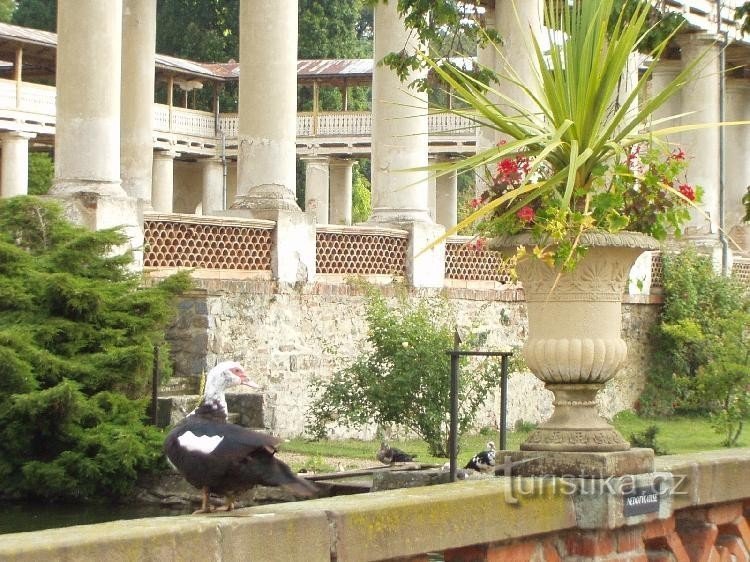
{"x":503,"y":402}
{"x":453,"y":437}
{"x":155,"y":387}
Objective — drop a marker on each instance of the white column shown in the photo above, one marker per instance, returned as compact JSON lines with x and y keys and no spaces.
{"x":162,"y":194}
{"x":486,"y":136}
{"x":516,"y":21}
{"x":14,"y":170}
{"x":341,"y":190}
{"x":87,"y":136}
{"x":399,"y":129}
{"x":447,"y":199}
{"x":701,"y":97}
{"x":136,"y":121}
{"x":212,"y":185}
{"x":266,"y":179}
{"x":665,"y":71}
{"x":737,"y":150}
{"x":432,"y":191}
{"x":316,"y":188}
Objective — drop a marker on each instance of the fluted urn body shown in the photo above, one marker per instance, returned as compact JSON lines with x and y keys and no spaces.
{"x":574,"y":343}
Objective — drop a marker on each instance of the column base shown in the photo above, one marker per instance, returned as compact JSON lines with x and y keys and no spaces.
{"x":266,"y":201}
{"x":398,"y":218}
{"x":574,"y":465}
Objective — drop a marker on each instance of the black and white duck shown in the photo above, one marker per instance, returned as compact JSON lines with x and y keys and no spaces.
{"x":484,"y":460}
{"x":222,"y":458}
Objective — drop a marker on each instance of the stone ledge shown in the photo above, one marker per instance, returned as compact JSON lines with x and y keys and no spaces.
{"x":708,"y":477}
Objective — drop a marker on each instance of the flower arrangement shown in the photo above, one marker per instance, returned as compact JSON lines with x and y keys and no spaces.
{"x":645,"y":192}
{"x":582,"y":156}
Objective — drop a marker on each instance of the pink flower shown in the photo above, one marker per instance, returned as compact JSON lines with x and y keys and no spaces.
{"x":687,"y":191}
{"x":677,"y":154}
{"x":474,"y":203}
{"x":525,"y":214}
{"x":481,"y":244}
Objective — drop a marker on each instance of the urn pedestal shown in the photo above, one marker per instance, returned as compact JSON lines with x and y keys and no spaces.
{"x":575,"y":346}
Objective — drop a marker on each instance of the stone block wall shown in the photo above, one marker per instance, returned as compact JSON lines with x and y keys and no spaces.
{"x":286,"y":335}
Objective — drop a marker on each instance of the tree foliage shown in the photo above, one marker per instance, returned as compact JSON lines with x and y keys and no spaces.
{"x":402,"y":377}
{"x":742,"y":15}
{"x":38,"y":14}
{"x":77,"y":339}
{"x":701,"y":346}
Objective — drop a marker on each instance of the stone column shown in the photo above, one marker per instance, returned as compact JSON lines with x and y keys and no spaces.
{"x":737,"y":150}
{"x":399,"y":129}
{"x":516,"y":21}
{"x":663,"y":74}
{"x":136,"y":119}
{"x":87,"y":137}
{"x":341,"y":190}
{"x":14,"y":170}
{"x":162,"y":194}
{"x":486,"y":58}
{"x":432,"y":192}
{"x":701,"y":96}
{"x":447,"y":199}
{"x":316,"y":188}
{"x":267,"y":158}
{"x":212,"y":172}
{"x":266,"y":180}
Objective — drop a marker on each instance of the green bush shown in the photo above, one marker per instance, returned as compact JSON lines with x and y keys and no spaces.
{"x":402,"y":377}
{"x":701,"y":346}
{"x":77,"y":338}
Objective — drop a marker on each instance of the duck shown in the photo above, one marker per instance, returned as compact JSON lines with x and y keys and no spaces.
{"x":388,"y":455}
{"x":484,"y":460}
{"x":224,"y":459}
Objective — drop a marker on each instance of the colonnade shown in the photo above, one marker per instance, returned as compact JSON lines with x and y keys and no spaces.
{"x":107,"y":172}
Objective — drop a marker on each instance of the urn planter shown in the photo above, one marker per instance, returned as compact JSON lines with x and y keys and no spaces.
{"x":574,"y":344}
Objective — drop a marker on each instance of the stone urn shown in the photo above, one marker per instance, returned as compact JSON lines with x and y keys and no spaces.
{"x":574,"y":344}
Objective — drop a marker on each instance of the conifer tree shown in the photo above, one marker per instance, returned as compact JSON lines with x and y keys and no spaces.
{"x":78,"y":331}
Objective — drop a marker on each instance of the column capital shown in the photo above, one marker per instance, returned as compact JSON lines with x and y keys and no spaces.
{"x":341,"y":162}
{"x":166,"y":154}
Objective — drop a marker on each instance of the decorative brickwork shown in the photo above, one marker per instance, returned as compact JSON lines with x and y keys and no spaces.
{"x":176,"y":243}
{"x":361,"y":253}
{"x":741,"y":270}
{"x":466,"y":260}
{"x":657,"y":272}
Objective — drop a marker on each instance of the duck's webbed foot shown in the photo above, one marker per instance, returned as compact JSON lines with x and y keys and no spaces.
{"x":228,"y":504}
{"x":205,"y":505}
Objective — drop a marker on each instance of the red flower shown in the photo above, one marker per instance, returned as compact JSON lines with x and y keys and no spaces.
{"x":481,"y":244}
{"x":525,"y":214}
{"x":475,"y":202}
{"x":507,"y":167}
{"x":677,"y":154}
{"x":687,"y":191}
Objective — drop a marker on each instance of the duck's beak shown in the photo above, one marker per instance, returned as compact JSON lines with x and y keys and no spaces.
{"x":246,"y":381}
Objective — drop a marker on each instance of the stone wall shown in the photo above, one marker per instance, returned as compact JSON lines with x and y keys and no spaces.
{"x":701,"y":514}
{"x":285,"y":336}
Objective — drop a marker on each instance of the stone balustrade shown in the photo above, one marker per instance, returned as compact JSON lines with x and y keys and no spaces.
{"x":701,"y":514}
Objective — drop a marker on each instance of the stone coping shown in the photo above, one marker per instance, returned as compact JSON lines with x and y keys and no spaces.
{"x":210,"y":220}
{"x":388,"y":524}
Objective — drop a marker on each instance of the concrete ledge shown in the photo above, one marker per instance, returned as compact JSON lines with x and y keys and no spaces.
{"x":708,"y":477}
{"x":391,"y":524}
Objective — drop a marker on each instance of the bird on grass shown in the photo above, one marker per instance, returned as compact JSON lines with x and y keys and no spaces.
{"x":389,"y":455}
{"x":484,"y":460}
{"x":222,"y":458}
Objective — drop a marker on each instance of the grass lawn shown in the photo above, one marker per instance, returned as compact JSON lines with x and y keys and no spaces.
{"x":676,"y":435}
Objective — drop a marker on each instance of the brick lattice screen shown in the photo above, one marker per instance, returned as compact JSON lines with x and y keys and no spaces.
{"x":741,"y":270}
{"x":464,"y":261}
{"x":210,"y":246}
{"x":361,"y":254}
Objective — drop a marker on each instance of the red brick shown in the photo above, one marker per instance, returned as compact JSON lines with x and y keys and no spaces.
{"x":698,"y":539}
{"x":635,"y":558}
{"x":725,"y":513}
{"x":734,"y":546}
{"x":658,"y":528}
{"x":580,"y":543}
{"x":519,"y":552}
{"x":629,"y":539}
{"x":738,"y":528}
{"x":476,"y":553}
{"x":670,"y":543}
{"x":550,"y":554}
